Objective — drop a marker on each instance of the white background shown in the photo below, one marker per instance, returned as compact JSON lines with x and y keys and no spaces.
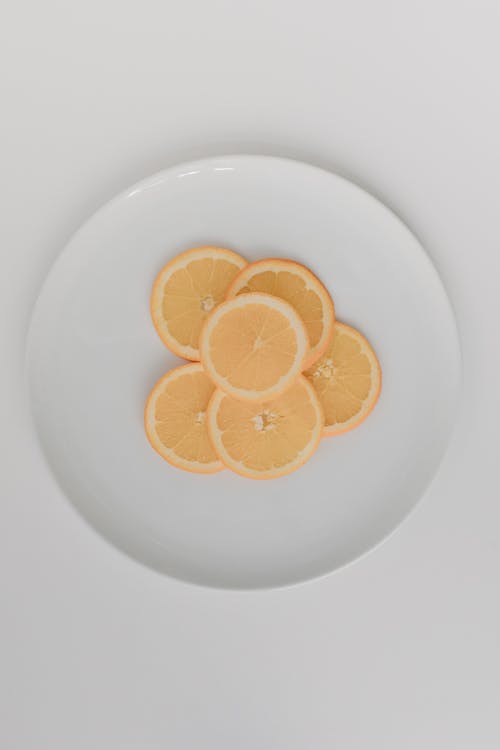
{"x":399,"y":650}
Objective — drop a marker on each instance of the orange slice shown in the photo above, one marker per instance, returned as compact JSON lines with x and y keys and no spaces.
{"x":297,"y":285}
{"x":175,"y":419}
{"x":186,"y":290}
{"x":270,"y":439}
{"x":253,"y":346}
{"x":347,"y":380}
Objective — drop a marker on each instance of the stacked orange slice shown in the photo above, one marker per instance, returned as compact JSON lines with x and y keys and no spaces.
{"x":273,"y":370}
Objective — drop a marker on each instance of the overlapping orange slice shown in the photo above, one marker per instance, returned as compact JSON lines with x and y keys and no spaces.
{"x":298,"y":286}
{"x":347,"y":379}
{"x":185,"y":292}
{"x":265,"y":440}
{"x":175,"y":419}
{"x":253,"y":346}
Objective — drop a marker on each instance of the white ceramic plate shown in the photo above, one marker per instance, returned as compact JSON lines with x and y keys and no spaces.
{"x":93,"y":356}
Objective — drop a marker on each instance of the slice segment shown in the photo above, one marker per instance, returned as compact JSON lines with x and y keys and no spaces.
{"x":298,"y":286}
{"x":264,"y":440}
{"x":175,"y":419}
{"x":253,"y":346}
{"x":185,"y":292}
{"x":347,"y":379}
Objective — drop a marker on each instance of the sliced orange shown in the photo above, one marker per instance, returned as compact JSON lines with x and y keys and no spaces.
{"x":297,"y":285}
{"x":175,"y":419}
{"x":253,"y":346}
{"x":264,"y":440}
{"x":186,"y":290}
{"x":347,"y":380}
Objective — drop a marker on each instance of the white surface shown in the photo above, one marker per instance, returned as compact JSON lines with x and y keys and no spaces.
{"x":399,"y":650}
{"x":94,"y":357}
